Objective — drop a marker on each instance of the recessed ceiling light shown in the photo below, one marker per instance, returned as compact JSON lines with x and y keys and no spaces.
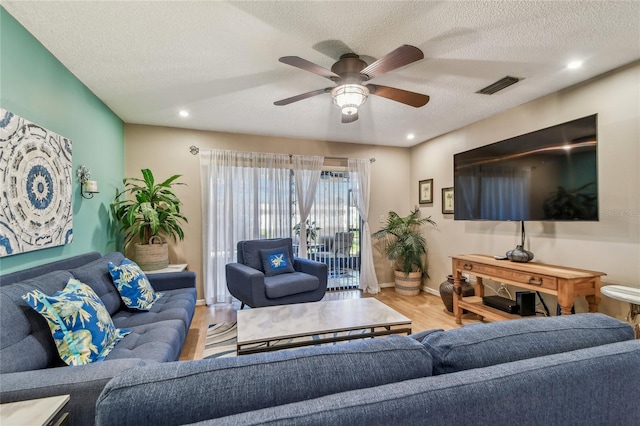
{"x":184,"y":113}
{"x":411,"y":136}
{"x":574,"y":65}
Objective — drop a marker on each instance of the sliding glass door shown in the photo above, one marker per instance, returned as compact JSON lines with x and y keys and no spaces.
{"x":333,"y":230}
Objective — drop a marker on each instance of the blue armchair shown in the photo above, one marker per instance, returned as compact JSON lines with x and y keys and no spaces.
{"x":248,"y":282}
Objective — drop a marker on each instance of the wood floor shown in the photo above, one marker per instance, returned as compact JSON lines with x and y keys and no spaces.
{"x":425,"y":310}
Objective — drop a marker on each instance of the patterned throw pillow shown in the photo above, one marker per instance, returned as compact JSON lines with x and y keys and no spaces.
{"x":79,"y":322}
{"x":132,"y":284}
{"x":276,"y":261}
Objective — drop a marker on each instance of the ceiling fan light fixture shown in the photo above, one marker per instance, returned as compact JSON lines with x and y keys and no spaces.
{"x":348,"y":97}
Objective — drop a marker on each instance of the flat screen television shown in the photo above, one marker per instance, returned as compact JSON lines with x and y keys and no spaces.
{"x":546,"y":175}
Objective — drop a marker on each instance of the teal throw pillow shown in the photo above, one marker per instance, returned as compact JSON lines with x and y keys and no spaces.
{"x":276,"y":261}
{"x":132,"y":284}
{"x":79,"y":322}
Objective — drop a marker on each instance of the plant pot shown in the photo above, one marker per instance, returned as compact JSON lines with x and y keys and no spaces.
{"x":152,"y":256}
{"x":408,"y":285}
{"x":446,"y":292}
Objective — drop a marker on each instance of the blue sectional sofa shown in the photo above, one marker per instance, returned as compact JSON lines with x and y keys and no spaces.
{"x":570,"y":370}
{"x":29,"y":363}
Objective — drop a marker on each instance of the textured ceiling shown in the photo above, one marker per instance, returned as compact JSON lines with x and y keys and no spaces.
{"x":219,"y":60}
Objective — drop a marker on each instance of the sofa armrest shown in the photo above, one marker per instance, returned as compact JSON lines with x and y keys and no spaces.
{"x":245,"y":283}
{"x":172,"y":280}
{"x":84,"y":383}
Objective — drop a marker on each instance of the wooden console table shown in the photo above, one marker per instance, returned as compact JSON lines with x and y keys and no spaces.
{"x":565,"y":283}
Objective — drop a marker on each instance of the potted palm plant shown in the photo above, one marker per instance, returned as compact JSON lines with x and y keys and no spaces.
{"x":406,"y":247}
{"x":149,"y":211}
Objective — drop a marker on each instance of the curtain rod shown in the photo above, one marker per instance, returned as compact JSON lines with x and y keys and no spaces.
{"x":194,"y":150}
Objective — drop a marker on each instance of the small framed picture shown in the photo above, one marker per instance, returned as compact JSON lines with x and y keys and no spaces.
{"x":447,"y":200}
{"x":425,"y":191}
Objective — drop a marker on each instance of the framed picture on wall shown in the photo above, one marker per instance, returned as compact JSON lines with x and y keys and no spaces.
{"x":425,"y":191}
{"x":447,"y":200}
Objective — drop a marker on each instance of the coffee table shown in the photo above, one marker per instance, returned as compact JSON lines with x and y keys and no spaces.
{"x":271,"y":325}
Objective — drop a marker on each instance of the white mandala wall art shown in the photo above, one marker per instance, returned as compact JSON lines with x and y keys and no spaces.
{"x":36,"y":187}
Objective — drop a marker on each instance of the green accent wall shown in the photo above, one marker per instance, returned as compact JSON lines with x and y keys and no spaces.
{"x":37,"y":87}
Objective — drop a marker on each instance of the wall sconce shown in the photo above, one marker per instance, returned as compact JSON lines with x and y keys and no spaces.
{"x":87,"y":187}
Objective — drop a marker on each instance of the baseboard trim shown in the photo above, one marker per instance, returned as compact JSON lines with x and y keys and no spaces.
{"x":424,"y":288}
{"x":430,"y":290}
{"x":200,"y":302}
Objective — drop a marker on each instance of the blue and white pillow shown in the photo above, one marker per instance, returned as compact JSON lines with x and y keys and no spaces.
{"x":276,"y":261}
{"x":79,"y":322}
{"x":135,"y":289}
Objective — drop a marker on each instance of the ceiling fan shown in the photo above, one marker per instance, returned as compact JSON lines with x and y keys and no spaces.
{"x":351,"y":75}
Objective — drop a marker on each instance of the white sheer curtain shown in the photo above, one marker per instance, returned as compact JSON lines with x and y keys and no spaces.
{"x":306,"y":172}
{"x":245,"y":195}
{"x":360,"y":180}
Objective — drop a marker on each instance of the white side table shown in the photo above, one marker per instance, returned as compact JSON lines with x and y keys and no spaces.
{"x":178,"y":267}
{"x":626,"y":294}
{"x":32,"y":412}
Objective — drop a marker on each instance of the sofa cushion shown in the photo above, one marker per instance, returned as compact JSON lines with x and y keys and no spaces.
{"x":287,"y":284}
{"x":79,"y":322}
{"x":23,"y":330}
{"x":276,"y":261}
{"x":482,"y":345}
{"x":96,"y":275}
{"x":132,"y":284}
{"x":174,"y":305}
{"x":252,"y":382}
{"x":160,"y":341}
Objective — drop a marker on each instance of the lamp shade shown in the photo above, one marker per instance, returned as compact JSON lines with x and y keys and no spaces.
{"x":349,"y":97}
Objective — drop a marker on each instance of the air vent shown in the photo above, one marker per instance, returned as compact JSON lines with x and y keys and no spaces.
{"x":503,"y":83}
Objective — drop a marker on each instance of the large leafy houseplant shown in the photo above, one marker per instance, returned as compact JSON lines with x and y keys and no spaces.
{"x":405,"y":245}
{"x":148,"y":209}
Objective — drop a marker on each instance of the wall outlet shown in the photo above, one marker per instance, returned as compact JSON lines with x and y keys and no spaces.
{"x":383,"y":218}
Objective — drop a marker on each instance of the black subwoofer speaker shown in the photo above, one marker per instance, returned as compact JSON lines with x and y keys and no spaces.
{"x":527,"y":302}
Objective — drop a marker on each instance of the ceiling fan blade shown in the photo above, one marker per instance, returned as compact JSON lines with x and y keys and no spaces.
{"x":302,"y":96}
{"x":349,"y":118}
{"x":400,"y":57}
{"x":403,"y":96}
{"x":303,"y":64}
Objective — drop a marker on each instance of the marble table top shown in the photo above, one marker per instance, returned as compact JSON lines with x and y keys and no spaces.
{"x":304,"y":319}
{"x":620,"y":292}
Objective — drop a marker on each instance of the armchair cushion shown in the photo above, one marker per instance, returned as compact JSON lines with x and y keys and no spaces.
{"x":276,"y":261}
{"x":249,"y":251}
{"x":288,"y":284}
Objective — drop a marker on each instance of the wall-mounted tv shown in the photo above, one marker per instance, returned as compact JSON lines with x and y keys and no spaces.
{"x":546,"y":175}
